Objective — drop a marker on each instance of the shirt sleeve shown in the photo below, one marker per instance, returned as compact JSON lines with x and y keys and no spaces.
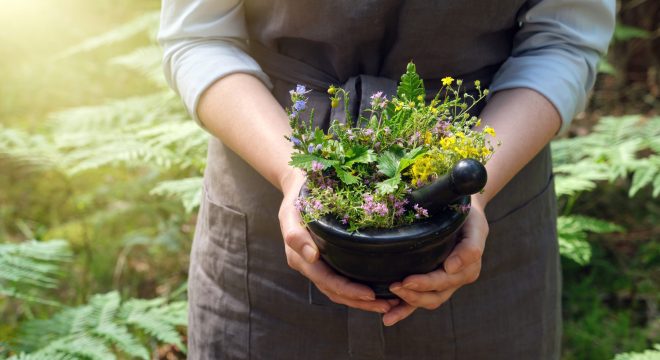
{"x":556,"y":51}
{"x":203,"y":41}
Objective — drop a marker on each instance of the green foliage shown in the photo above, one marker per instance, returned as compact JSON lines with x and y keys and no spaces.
{"x":31,"y":265}
{"x":625,"y":32}
{"x":617,"y":147}
{"x":103,"y":327}
{"x":573,"y":231}
{"x":650,"y":354}
{"x":411,"y":86}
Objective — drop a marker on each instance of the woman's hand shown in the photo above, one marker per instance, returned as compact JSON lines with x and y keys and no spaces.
{"x":303,"y":255}
{"x":462,"y":267}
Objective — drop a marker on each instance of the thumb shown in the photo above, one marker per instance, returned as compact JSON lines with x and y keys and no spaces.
{"x":295,"y":234}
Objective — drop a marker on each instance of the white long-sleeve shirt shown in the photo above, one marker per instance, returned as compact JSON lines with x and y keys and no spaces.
{"x":555,"y":51}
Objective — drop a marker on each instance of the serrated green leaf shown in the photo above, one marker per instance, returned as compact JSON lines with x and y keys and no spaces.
{"x":345,"y":176}
{"x":643,"y":176}
{"x":304,"y":161}
{"x":388,"y":163}
{"x":390,"y":185}
{"x":409,"y":158}
{"x":411,"y":85}
{"x":360,"y":155}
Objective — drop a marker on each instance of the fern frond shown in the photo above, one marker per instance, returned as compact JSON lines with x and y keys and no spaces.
{"x":188,"y":191}
{"x":573,"y":233}
{"x":145,"y":60}
{"x":31,"y":265}
{"x":143,"y":24}
{"x":650,"y":354}
{"x":617,"y":147}
{"x":103,"y":326}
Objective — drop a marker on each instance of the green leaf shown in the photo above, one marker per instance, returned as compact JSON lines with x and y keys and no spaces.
{"x":359,"y":155}
{"x":625,"y":32}
{"x":409,"y":158}
{"x":388,"y":163}
{"x":390,"y":185}
{"x":346,"y":177}
{"x":605,"y":67}
{"x":304,"y":161}
{"x":573,"y":232}
{"x":411,"y":85}
{"x":642,"y":177}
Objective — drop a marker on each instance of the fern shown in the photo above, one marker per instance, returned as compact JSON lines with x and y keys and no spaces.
{"x":573,"y":231}
{"x":103,"y":328}
{"x":650,"y":354}
{"x":145,"y":23}
{"x":618,"y":147}
{"x":411,"y":85}
{"x":31,"y":265}
{"x":189,"y":191}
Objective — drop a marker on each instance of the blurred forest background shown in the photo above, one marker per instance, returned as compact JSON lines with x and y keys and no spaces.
{"x":100,"y":173}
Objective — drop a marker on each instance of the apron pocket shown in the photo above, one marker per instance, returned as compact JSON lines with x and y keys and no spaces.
{"x":219,"y":302}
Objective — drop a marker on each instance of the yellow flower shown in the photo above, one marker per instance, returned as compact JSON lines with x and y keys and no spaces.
{"x":489,"y":130}
{"x":485,"y":151}
{"x":428,"y":137}
{"x":334,"y":103}
{"x":420,"y":98}
{"x":434,"y":111}
{"x":446,"y":81}
{"x":447,"y":142}
{"x":478,"y":123}
{"x":332,"y":90}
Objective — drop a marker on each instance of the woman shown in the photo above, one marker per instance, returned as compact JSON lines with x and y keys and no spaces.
{"x":498,"y":295}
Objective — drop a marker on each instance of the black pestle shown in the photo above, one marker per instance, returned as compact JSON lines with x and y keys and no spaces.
{"x":466,"y":178}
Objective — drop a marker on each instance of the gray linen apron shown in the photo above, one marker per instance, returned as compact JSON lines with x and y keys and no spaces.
{"x":245,"y":302}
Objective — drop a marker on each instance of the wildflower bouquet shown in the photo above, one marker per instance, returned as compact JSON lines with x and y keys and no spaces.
{"x":362,"y":172}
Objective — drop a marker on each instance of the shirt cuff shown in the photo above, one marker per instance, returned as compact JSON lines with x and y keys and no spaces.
{"x":204,"y":64}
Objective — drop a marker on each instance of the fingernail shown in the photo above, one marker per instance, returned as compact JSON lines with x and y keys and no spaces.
{"x":367,"y":297}
{"x":396,"y":287}
{"x":309,"y":253}
{"x":411,"y":286}
{"x":389,"y":322}
{"x":453,"y":264}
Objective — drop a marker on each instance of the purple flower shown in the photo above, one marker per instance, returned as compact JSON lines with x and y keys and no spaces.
{"x":381,"y":209}
{"x":319,"y":147}
{"x":420,"y":211}
{"x":316,"y":166}
{"x":400,"y":207}
{"x":378,"y":99}
{"x":299,"y":105}
{"x":464,"y":208}
{"x":300,"y":90}
{"x":368,"y":132}
{"x":310,"y":148}
{"x":441,"y":128}
{"x":295,"y":140}
{"x":344,"y":220}
{"x":317,"y":205}
{"x":300,"y":204}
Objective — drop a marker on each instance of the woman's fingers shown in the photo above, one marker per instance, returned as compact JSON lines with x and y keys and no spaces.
{"x":431,"y":290}
{"x":338,"y":288}
{"x":295,"y":235}
{"x":469,"y":250}
{"x":398,"y":313}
